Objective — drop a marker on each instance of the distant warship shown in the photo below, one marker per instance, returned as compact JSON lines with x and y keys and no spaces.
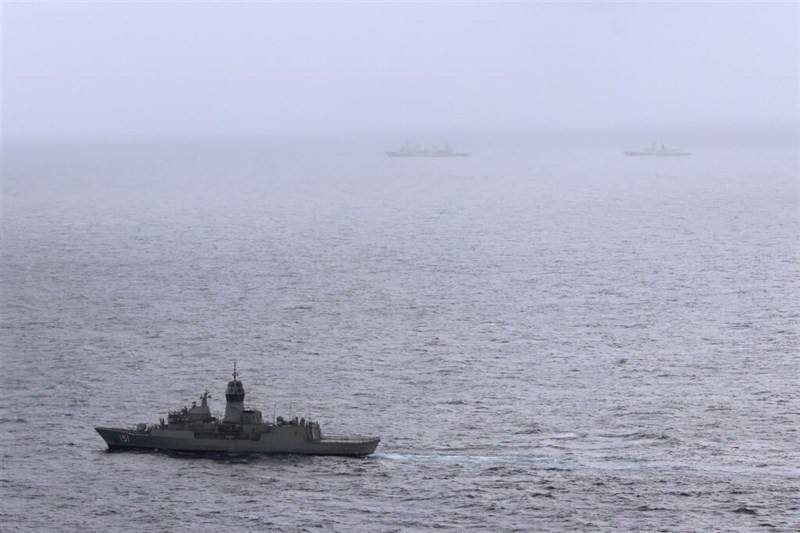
{"x":412,"y":150}
{"x":193,"y":429}
{"x":654,"y":150}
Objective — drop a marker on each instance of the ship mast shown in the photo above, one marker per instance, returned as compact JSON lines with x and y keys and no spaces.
{"x":234,"y":399}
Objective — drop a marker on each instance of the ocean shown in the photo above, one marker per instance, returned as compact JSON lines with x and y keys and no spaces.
{"x":546,"y":336}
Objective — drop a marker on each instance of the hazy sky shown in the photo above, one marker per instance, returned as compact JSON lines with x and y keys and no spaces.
{"x":100,"y":70}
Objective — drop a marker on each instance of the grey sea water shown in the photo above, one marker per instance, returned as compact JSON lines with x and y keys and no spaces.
{"x":547,"y":338}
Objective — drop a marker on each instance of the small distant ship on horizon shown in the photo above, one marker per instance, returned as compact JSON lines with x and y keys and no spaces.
{"x":413,"y":150}
{"x":662,"y":151}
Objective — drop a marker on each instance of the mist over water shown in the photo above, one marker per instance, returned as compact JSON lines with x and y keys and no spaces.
{"x":547,"y":335}
{"x":563,"y":337}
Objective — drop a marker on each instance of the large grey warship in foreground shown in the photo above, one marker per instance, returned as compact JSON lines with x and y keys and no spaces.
{"x":240,"y":431}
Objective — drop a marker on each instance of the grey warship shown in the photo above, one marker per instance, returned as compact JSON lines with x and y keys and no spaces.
{"x":241,"y":430}
{"x":657,"y":151}
{"x":412,"y":150}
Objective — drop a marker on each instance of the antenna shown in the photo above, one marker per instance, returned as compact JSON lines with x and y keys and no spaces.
{"x":234,"y":371}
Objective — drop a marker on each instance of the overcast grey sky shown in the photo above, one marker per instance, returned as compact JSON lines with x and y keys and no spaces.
{"x":110,"y":70}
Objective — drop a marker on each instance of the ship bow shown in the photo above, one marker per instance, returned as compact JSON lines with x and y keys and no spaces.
{"x":115,"y":438}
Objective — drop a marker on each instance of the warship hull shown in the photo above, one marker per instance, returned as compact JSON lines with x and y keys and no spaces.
{"x":427,"y":154}
{"x":657,"y":154}
{"x":286,"y":440}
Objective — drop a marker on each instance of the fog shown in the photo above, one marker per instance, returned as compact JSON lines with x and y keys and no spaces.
{"x":544,"y":324}
{"x":105,"y":71}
